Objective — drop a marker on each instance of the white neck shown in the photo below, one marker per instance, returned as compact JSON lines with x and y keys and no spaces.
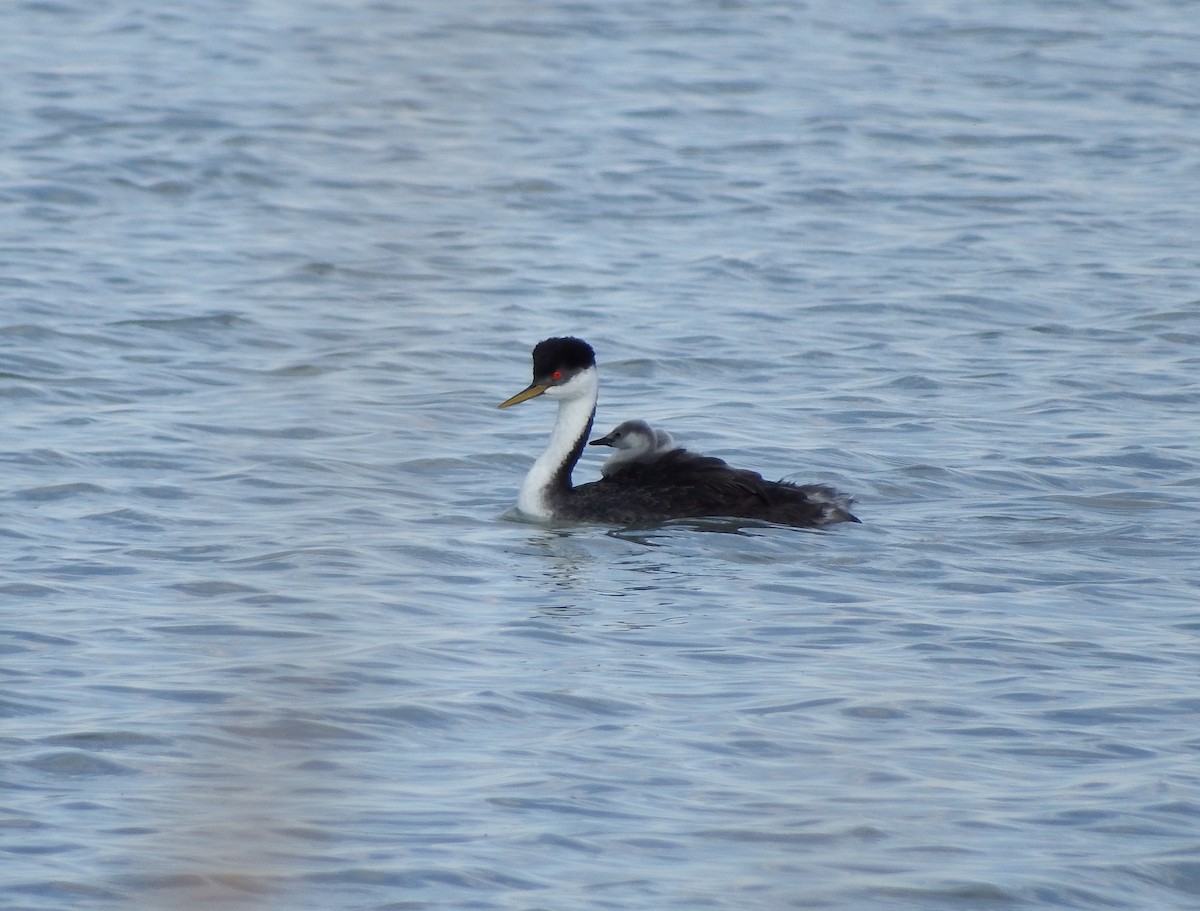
{"x":623,"y":457}
{"x":661,"y":443}
{"x":616,"y":460}
{"x":551,"y":473}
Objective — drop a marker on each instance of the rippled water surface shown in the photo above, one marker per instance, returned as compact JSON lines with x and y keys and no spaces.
{"x":271,"y":636}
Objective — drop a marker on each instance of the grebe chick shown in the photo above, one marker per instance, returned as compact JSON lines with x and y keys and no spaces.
{"x":676,"y":484}
{"x":633,"y":441}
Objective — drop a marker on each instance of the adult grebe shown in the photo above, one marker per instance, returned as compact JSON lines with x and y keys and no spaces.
{"x":674,"y":485}
{"x":633,"y":441}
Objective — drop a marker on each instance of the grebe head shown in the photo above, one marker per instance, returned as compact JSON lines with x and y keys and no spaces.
{"x":634,"y":441}
{"x":563,"y":368}
{"x":631,"y":436}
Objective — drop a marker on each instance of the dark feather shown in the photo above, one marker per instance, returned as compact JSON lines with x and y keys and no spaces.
{"x":680,"y":484}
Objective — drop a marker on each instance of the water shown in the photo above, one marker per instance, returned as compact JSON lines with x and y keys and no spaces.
{"x":271,"y":640}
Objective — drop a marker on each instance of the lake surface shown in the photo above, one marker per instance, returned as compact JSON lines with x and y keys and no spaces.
{"x":271,"y":635}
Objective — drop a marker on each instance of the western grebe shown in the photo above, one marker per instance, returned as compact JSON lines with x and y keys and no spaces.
{"x":633,"y":441}
{"x":675,"y":484}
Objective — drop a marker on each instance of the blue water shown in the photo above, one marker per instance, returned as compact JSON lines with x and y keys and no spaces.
{"x":271,"y":638}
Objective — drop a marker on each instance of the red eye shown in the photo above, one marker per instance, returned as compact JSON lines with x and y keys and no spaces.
{"x":556,"y":375}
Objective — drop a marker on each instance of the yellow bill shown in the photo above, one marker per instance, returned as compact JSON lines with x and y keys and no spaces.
{"x":524,"y":395}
